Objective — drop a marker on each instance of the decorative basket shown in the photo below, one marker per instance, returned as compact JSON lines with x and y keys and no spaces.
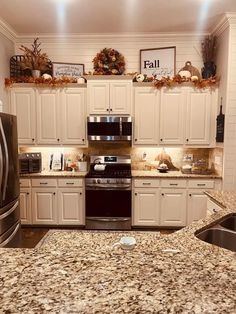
{"x":194,"y":71}
{"x":17,"y":71}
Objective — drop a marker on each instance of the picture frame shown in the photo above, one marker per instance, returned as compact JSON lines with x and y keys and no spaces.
{"x":60,"y":69}
{"x":158,"y":62}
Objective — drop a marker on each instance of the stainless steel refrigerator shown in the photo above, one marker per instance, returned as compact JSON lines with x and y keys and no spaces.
{"x":9,"y":183}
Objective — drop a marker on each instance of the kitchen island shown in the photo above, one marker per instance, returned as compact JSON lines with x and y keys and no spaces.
{"x":79,"y":272}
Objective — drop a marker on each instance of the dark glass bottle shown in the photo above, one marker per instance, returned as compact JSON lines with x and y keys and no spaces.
{"x":220,"y":123}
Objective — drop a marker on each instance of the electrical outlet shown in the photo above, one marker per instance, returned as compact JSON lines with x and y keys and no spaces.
{"x":144,"y":156}
{"x":217,"y":160}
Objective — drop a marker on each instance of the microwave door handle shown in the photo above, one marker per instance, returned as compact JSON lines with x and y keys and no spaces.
{"x":7,"y":161}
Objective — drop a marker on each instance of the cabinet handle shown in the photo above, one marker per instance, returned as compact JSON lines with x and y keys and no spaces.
{"x":162,"y":194}
{"x":201,"y":184}
{"x":214,"y":210}
{"x":43,"y":183}
{"x":146,"y":183}
{"x":70,"y":183}
{"x":173,"y":184}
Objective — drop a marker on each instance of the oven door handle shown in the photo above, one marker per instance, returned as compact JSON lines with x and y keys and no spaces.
{"x":108,"y":219}
{"x":105,"y":187}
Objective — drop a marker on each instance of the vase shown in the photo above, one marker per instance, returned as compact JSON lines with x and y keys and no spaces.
{"x":208,"y":70}
{"x":36,"y":73}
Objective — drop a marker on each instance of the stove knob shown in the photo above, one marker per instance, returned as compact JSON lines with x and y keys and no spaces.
{"x":108,"y":181}
{"x":98,"y":181}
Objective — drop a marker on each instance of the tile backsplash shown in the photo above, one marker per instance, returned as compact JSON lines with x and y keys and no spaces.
{"x":142,"y":158}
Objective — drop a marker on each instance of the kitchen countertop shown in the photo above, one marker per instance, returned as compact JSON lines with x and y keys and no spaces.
{"x":135,"y":174}
{"x":170,"y":174}
{"x":79,"y":272}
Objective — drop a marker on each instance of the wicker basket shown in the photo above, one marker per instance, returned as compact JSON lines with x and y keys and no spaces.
{"x":188,"y":67}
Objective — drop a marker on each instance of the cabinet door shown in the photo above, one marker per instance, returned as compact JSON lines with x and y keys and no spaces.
{"x":71,"y":206}
{"x":146,"y":207}
{"x":73,"y":116}
{"x":198,"y":117}
{"x":22,"y":104}
{"x":98,"y":97}
{"x":173,"y":207}
{"x":47,"y":116}
{"x":44,"y":206}
{"x":25,"y":206}
{"x":120,"y":97}
{"x":197,"y":205}
{"x":171,"y":116}
{"x":146,"y":114}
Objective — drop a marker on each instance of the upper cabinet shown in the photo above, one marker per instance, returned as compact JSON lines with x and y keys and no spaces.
{"x":47,"y":116}
{"x":174,"y":116}
{"x":109,"y":97}
{"x":22,"y":104}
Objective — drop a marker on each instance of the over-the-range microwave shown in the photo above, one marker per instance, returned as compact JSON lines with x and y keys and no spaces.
{"x":109,"y":128}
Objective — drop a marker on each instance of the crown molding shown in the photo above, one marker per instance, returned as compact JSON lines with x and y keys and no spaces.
{"x":227,"y":20}
{"x":7,"y":30}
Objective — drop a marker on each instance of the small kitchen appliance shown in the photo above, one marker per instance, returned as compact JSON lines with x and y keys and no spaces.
{"x":108,"y":193}
{"x":30,"y":162}
{"x":56,"y":162}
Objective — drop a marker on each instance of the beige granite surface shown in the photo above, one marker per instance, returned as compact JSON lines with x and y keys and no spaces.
{"x":55,"y":174}
{"x":170,"y":174}
{"x":79,"y":272}
{"x":223,"y":198}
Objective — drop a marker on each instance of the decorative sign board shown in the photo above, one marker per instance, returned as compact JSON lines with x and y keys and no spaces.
{"x":158,"y":62}
{"x":67,"y":69}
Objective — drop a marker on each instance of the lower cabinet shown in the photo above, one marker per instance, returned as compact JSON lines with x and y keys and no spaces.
{"x":70,"y":205}
{"x":52,"y":201}
{"x":173,"y":208}
{"x":44,"y":206}
{"x":146,"y":204}
{"x":169,"y":202}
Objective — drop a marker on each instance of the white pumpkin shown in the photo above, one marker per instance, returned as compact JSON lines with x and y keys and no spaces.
{"x":47,"y":76}
{"x":140,"y":78}
{"x":184,"y":73}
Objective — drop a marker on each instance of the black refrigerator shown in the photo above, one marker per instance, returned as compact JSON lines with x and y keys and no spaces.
{"x":9,"y":183}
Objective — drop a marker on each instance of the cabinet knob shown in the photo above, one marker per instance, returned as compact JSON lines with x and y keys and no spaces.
{"x":190,"y":194}
{"x":161,"y":139}
{"x":80,"y":193}
{"x":58,"y":140}
{"x":111,"y":109}
{"x":33,"y":139}
{"x":107,"y":109}
{"x":186,"y":139}
{"x":135,"y":194}
{"x":27,"y":193}
{"x":162,"y":194}
{"x":83,"y":139}
{"x":135,"y":140}
{"x":54,"y":193}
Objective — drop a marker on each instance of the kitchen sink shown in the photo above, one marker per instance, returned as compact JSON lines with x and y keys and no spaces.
{"x":220,"y":237}
{"x":229,"y":222}
{"x":222,"y":234}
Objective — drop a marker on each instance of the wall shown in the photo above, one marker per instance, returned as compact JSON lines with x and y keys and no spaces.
{"x":6,"y":51}
{"x":82,"y":49}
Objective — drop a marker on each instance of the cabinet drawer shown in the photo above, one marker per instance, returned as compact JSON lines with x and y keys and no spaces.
{"x":25,"y":183}
{"x":153,"y":183}
{"x":173,"y":183}
{"x":70,"y":182}
{"x":44,"y":182}
{"x":201,"y":184}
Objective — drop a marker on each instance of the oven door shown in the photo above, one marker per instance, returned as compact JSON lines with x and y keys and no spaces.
{"x":108,"y":208}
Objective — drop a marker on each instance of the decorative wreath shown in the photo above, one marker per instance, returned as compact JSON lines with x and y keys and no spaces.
{"x":109,"y":61}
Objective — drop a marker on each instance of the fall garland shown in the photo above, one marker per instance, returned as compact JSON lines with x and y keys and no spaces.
{"x":53,"y":82}
{"x":212,"y":82}
{"x":109,"y":61}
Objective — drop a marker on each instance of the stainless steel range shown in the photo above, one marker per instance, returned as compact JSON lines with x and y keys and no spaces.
{"x":108,"y":193}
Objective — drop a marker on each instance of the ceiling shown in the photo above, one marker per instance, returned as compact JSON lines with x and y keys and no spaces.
{"x":28,"y":17}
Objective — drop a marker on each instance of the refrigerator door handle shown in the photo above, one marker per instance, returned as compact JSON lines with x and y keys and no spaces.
{"x":9,"y":211}
{"x":7,"y":161}
{"x":1,"y":171}
{"x":11,"y":236}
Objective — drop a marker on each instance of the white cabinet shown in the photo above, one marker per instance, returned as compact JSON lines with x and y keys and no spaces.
{"x":198,"y":119}
{"x":197,"y":205}
{"x":73,"y":116}
{"x":44,"y":202}
{"x":70,"y":205}
{"x":109,"y":97}
{"x":25,"y":206}
{"x":146,"y":207}
{"x":22,"y":104}
{"x":172,"y":106}
{"x":146,"y":116}
{"x":173,"y":207}
{"x":48,"y":128}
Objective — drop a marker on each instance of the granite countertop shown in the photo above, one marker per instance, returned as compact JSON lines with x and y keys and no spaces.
{"x":223,"y":198}
{"x":79,"y":272}
{"x":55,"y":174}
{"x":170,"y":174}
